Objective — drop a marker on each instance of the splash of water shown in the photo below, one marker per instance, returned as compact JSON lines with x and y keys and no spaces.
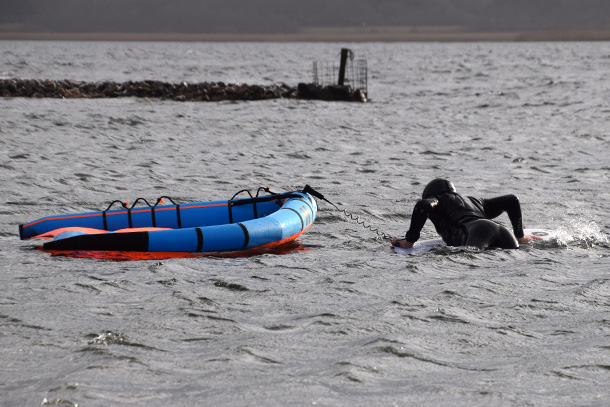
{"x":583,"y":233}
{"x":108,"y":338}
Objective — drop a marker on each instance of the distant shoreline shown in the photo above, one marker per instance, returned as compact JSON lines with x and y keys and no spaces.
{"x":327,"y":35}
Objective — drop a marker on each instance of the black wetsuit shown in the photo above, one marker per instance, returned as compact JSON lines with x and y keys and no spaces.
{"x":465,"y":221}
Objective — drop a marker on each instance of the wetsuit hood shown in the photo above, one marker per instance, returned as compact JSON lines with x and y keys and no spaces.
{"x":438,"y":186}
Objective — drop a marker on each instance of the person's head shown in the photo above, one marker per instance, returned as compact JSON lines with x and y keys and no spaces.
{"x":436,"y":187}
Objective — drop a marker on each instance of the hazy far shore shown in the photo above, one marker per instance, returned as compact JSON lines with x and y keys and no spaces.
{"x":338,"y":34}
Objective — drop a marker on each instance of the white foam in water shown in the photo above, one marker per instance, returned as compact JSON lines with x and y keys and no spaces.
{"x":581,"y":231}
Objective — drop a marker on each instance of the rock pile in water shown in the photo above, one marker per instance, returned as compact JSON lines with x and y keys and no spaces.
{"x":205,"y":91}
{"x":202,"y":92}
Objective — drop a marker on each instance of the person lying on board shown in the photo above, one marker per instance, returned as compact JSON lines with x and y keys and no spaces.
{"x":465,"y":221}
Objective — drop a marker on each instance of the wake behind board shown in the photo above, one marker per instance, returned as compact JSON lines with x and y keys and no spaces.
{"x":422,"y":246}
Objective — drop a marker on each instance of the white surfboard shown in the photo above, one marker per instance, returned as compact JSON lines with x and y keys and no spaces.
{"x":545,"y":234}
{"x":422,"y":246}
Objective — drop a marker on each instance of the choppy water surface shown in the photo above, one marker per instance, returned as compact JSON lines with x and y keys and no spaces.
{"x":346,"y":322}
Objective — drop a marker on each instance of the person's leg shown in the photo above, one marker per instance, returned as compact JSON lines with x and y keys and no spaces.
{"x":484,"y":233}
{"x":505,"y":239}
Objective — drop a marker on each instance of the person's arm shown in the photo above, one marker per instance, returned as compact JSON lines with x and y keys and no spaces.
{"x":418,"y":219}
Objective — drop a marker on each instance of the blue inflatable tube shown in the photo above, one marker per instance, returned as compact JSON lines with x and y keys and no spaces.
{"x":215,"y":226}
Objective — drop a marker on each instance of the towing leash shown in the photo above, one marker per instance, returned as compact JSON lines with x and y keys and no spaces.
{"x":313,"y":192}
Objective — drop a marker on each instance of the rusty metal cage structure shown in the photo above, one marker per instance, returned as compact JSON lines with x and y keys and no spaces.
{"x":356,"y":74}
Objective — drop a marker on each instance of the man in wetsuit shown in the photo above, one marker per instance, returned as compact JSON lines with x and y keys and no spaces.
{"x":465,"y":221}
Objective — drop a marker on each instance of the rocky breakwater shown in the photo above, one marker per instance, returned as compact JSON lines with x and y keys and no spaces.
{"x":199,"y":92}
{"x":202,"y":92}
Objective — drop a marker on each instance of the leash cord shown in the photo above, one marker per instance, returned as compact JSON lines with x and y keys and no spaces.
{"x":347,"y":214}
{"x":361,"y":222}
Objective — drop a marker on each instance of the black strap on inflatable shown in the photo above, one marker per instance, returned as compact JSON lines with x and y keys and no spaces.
{"x":133,"y":205}
{"x":152,"y":210}
{"x":246,"y":235}
{"x":199,"y":239}
{"x":273,"y":197}
{"x":258,"y":191}
{"x":255,"y":199}
{"x":276,"y":197}
{"x":242,"y":191}
{"x":230,"y":203}
{"x":160,"y":200}
{"x":178,"y":216}
{"x":123,"y":204}
{"x":129,"y":218}
{"x":298,"y":214}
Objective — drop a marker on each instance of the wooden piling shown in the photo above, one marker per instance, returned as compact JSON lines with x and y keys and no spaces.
{"x":344,"y":54}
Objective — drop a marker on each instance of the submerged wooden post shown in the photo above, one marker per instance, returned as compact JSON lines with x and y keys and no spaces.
{"x":344,"y":53}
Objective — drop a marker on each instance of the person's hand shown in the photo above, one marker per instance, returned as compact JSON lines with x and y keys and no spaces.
{"x":527,"y":238}
{"x":396,"y":242}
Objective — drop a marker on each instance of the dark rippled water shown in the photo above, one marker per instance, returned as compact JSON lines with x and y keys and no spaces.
{"x":345,"y":322}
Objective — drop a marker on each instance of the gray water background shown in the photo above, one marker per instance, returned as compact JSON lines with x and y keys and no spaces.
{"x":346,"y":322}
